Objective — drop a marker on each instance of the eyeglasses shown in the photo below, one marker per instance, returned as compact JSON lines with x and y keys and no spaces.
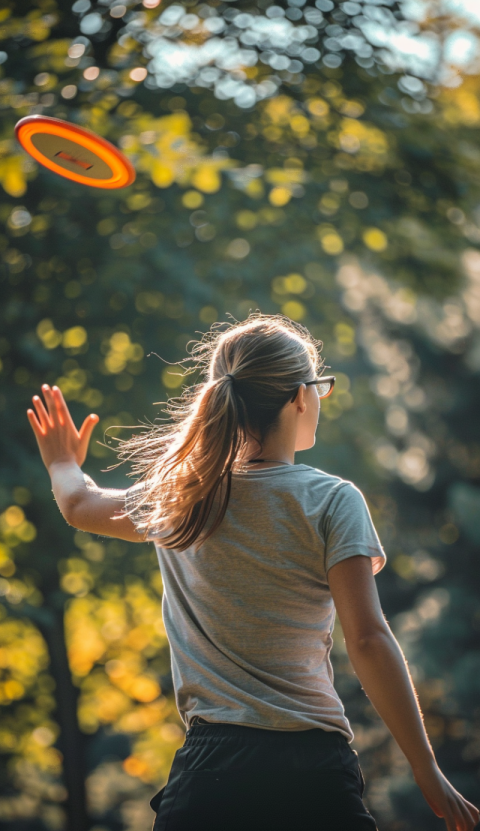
{"x":324,"y":386}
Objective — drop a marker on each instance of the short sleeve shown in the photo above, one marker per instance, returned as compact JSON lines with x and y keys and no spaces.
{"x":349,"y":529}
{"x":138,"y":515}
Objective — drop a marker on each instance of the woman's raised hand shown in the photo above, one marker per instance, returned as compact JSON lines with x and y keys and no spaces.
{"x":57,"y":437}
{"x":445,"y":801}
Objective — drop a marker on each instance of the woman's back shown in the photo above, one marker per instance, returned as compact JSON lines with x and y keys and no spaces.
{"x":249,"y":613}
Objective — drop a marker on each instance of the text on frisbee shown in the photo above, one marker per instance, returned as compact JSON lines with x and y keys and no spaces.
{"x":73,"y":152}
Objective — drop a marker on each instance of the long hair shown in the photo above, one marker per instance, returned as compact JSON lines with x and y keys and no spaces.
{"x":249,"y":371}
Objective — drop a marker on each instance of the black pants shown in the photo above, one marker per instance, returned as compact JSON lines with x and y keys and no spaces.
{"x":227,"y":777}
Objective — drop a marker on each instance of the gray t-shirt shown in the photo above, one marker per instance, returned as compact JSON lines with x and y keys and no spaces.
{"x":249,"y":614}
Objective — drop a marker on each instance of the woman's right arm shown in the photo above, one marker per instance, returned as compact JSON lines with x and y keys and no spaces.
{"x":382,"y":670}
{"x":63,"y":449}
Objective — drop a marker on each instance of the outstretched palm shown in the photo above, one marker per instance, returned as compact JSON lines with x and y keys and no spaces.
{"x":57,"y":437}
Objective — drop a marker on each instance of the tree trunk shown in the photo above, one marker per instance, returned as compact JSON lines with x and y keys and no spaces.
{"x":71,"y":740}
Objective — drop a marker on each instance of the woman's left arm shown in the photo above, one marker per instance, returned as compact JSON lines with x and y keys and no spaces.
{"x":63,"y":449}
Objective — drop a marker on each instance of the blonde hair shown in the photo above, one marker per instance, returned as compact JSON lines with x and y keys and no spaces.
{"x":250,"y":371}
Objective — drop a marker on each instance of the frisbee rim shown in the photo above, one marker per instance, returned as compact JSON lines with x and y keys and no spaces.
{"x":123,"y":171}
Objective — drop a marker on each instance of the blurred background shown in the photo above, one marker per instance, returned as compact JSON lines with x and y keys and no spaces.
{"x":317,"y":159}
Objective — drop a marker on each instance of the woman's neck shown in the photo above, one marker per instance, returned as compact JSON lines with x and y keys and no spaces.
{"x":274,"y":451}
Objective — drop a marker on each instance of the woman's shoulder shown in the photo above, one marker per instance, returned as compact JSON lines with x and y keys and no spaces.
{"x":321,"y":490}
{"x":323,"y":478}
{"x":318,"y":484}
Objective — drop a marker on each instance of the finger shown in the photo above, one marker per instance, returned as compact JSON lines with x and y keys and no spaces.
{"x":52,"y":407}
{"x":473,"y":815}
{"x":86,"y":430}
{"x":469,"y":819}
{"x":87,"y":427}
{"x":450,"y":820}
{"x":36,"y":426}
{"x":470,"y":813}
{"x":450,"y":823}
{"x":462,"y":818}
{"x":473,"y":810}
{"x":62,"y":409}
{"x":42,"y":414}
{"x":58,"y":408}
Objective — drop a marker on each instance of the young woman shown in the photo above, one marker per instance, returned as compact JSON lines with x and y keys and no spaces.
{"x":256,"y":553}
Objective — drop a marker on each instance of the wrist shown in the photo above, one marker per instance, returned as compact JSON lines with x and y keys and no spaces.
{"x":427,"y":763}
{"x":62,"y":463}
{"x":68,"y":485}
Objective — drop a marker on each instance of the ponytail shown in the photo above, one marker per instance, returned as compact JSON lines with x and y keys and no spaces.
{"x":185,"y":466}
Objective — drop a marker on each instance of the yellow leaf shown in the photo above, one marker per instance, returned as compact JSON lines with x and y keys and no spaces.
{"x":74,"y":337}
{"x":285,"y":175}
{"x":145,"y":689}
{"x":279,"y":109}
{"x":280,"y":196}
{"x":375,"y":239}
{"x":254,"y":188}
{"x":295,"y":283}
{"x":318,"y":107}
{"x":178,"y":123}
{"x":294,"y":310}
{"x":13,"y":516}
{"x":162,"y":175}
{"x":300,"y":124}
{"x":12,"y":176}
{"x":134,"y":766}
{"x":192,"y":199}
{"x":246,"y":219}
{"x":332,"y":243}
{"x":207,"y":178}
{"x":37,"y":30}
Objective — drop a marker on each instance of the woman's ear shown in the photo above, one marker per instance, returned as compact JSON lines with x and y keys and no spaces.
{"x":300,"y":399}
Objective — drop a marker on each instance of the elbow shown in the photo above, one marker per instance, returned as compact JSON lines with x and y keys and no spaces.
{"x":368,"y":641}
{"x":68,"y":513}
{"x":70,"y":510}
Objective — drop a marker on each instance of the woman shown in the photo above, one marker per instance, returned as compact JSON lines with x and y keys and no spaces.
{"x":256,"y":553}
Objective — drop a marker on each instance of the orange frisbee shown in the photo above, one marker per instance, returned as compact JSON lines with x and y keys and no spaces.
{"x":74,"y":153}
